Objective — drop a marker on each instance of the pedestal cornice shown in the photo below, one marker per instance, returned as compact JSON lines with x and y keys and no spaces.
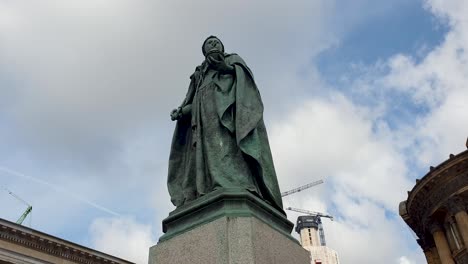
{"x":230,"y":202}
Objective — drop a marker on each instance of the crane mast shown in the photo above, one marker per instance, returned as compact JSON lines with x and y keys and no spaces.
{"x":28,"y":209}
{"x":24,"y":215}
{"x":317,"y":219}
{"x":321,"y":232}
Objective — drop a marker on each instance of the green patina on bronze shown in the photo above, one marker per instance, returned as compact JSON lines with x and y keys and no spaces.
{"x":220,"y":140}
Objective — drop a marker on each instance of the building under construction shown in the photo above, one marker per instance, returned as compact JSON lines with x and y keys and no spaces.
{"x":309,"y":227}
{"x":312,"y":236}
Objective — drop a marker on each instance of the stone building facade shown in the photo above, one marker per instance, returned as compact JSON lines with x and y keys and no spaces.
{"x":23,"y":245}
{"x":322,"y":255}
{"x":436,"y":210}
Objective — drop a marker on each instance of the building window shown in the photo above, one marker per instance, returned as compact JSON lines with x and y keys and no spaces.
{"x":455,"y":234}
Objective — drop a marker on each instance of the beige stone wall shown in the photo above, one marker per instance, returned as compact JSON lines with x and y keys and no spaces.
{"x":323,"y":254}
{"x":309,"y":237}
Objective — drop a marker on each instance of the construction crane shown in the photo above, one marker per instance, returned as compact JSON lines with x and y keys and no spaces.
{"x":24,"y":215}
{"x":314,"y":222}
{"x":298,"y":189}
{"x":28,"y":209}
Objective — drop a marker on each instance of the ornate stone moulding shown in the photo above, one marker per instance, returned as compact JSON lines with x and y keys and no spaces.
{"x":44,"y":243}
{"x":225,"y":202}
{"x":432,"y":193}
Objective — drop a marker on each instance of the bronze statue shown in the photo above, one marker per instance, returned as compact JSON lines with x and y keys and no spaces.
{"x":220,"y":140}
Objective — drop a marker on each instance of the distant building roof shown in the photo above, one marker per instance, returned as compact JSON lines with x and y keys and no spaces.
{"x":20,"y":244}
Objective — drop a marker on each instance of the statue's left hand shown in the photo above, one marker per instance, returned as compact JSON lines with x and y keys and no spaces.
{"x":220,"y":65}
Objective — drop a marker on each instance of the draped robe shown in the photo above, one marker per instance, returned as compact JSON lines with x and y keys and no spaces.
{"x":223,"y":143}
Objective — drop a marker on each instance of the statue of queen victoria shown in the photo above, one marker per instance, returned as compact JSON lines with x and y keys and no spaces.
{"x":220,"y":140}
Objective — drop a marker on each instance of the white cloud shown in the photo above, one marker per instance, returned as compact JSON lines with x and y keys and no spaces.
{"x":452,"y":10}
{"x":334,"y":139}
{"x":365,"y":157}
{"x":93,"y":72}
{"x":405,"y":260}
{"x":440,"y":83}
{"x":365,"y":175}
{"x":122,"y":237}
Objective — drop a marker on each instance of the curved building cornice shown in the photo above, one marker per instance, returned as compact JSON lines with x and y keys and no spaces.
{"x":432,"y":193}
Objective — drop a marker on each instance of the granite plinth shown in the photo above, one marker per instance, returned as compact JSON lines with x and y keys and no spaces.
{"x":230,"y":240}
{"x":228,"y":226}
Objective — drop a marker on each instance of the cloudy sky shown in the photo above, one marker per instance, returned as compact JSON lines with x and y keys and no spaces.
{"x":363,"y":94}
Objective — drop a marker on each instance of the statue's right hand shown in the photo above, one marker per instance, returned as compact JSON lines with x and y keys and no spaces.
{"x":175,"y":114}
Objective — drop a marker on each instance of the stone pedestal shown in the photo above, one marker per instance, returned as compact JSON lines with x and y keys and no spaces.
{"x":229,"y":226}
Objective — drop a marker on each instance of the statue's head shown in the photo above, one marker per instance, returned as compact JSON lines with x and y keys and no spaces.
{"x":212,"y":43}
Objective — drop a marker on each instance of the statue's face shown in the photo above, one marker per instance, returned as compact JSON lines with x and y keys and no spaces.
{"x":213,"y":44}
